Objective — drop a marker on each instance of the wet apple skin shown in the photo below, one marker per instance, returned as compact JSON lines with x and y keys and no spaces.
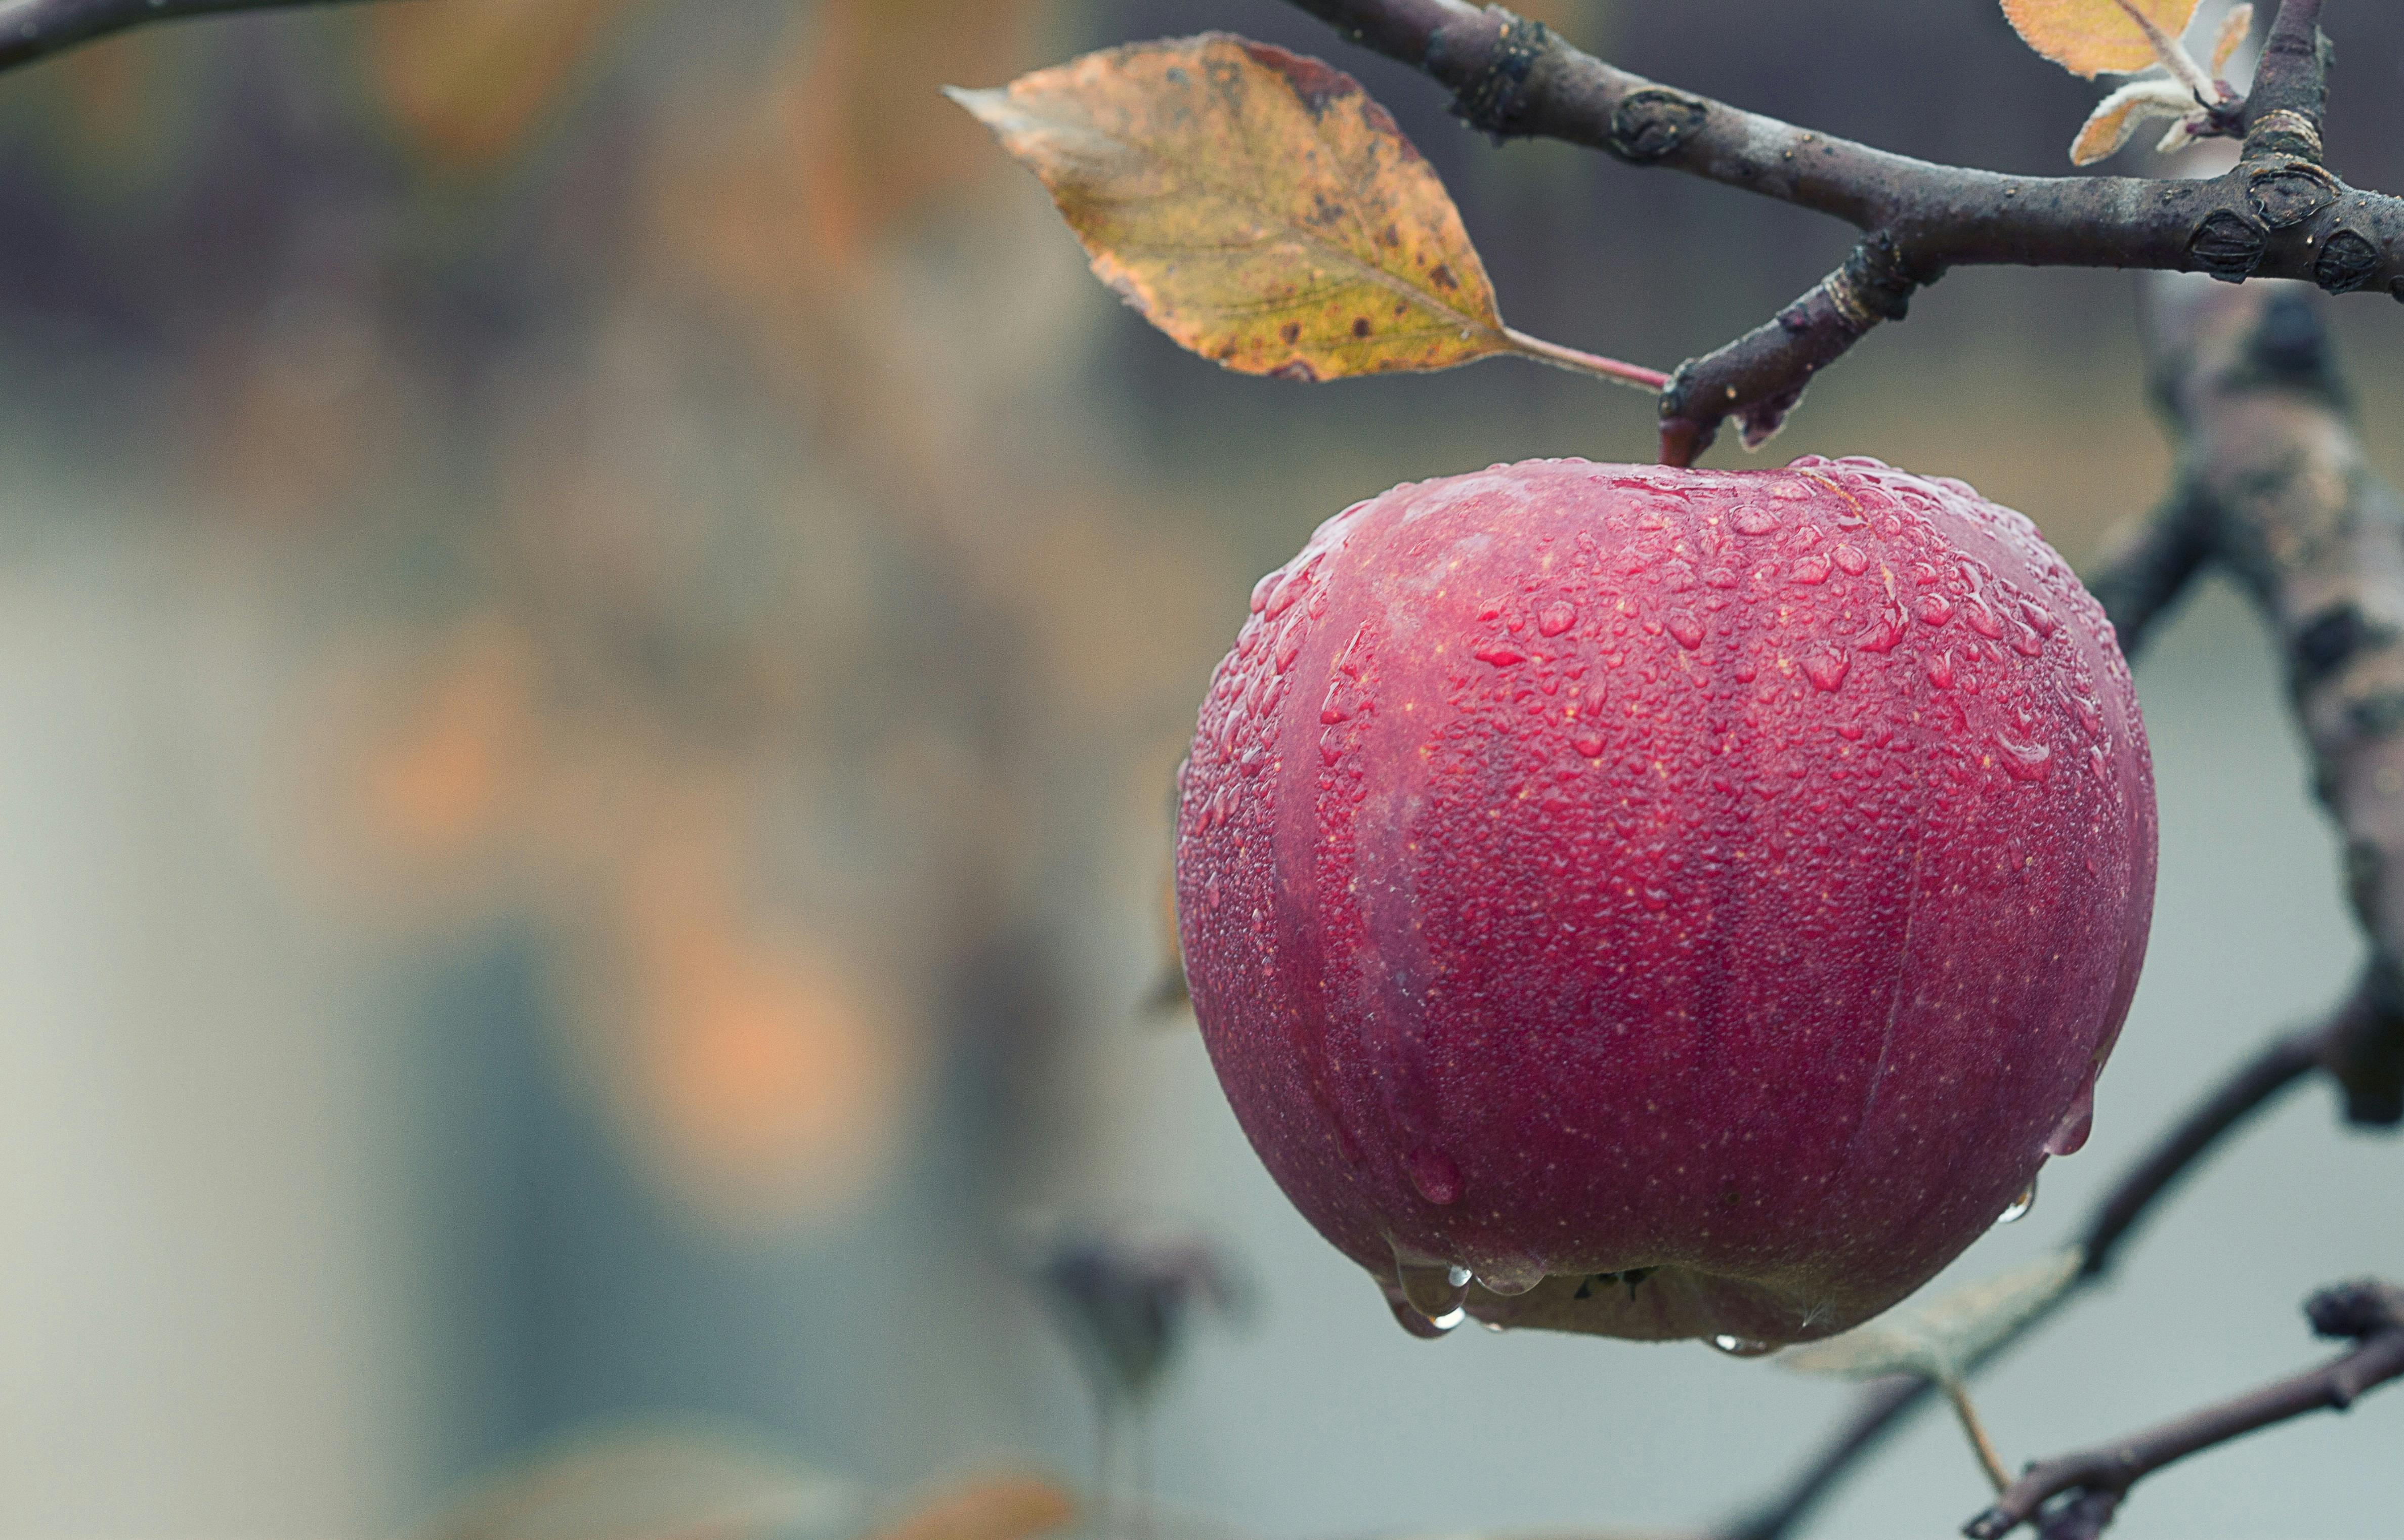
{"x":1691,"y":901}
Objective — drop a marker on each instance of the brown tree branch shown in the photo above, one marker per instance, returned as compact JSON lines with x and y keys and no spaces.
{"x":2276,"y":214}
{"x":33,"y":30}
{"x":2094,"y":1480}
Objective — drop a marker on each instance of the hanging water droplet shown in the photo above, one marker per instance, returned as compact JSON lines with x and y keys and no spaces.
{"x":1494,"y":1325}
{"x":1742,"y":1347}
{"x":1510,"y":1278}
{"x":2018,"y":1209}
{"x":1411,"y":1321}
{"x":2069,"y":1136}
{"x":1435,"y":1289}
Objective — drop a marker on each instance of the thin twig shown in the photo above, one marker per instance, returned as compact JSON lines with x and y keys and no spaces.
{"x":2252,"y":1086}
{"x":1966,"y":1411}
{"x":31,"y":30}
{"x":2370,"y":1313}
{"x":2277,"y":213}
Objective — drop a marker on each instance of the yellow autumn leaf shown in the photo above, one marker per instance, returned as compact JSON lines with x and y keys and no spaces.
{"x":2116,"y":119}
{"x":2092,"y":37}
{"x":1258,"y":207}
{"x":2235,"y":28}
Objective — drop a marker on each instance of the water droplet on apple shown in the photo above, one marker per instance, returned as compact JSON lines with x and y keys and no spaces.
{"x":2069,"y":1136}
{"x":2017,"y":1209}
{"x":2024,"y":762}
{"x":1510,"y":1278}
{"x":1688,"y":630}
{"x":1433,"y":1174}
{"x":1435,"y":1289}
{"x":1754,"y":521}
{"x":1826,"y":668}
{"x":1556,"y":618}
{"x":1411,"y":1321}
{"x":1501,"y":654}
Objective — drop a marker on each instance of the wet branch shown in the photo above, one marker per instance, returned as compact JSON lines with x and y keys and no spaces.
{"x":2074,"y":1496}
{"x":33,"y":30}
{"x":2278,"y":213}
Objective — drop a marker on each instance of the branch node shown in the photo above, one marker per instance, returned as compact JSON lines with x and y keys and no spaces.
{"x":1651,"y":122}
{"x":1491,"y":100}
{"x":2283,"y":130}
{"x":2347,"y":262}
{"x":2228,"y":246}
{"x":2288,"y":191}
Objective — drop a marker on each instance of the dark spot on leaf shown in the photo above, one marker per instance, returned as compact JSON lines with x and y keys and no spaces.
{"x":1290,"y":332}
{"x":1391,"y":237}
{"x":1360,"y":327}
{"x":1314,"y":84}
{"x":1440,"y":276}
{"x":1295,"y":370}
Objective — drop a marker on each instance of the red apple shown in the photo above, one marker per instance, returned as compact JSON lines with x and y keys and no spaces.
{"x":1687,"y":903}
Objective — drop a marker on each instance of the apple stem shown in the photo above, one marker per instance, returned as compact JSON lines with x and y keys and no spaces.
{"x":1968,"y":1410}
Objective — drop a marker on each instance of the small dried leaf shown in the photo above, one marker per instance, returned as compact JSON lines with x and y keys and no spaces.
{"x":2116,"y":119}
{"x":656,"y":1484}
{"x":466,"y":80}
{"x":1946,"y":1339}
{"x":2235,"y":28}
{"x":992,"y":1508}
{"x":1255,"y":204}
{"x":2186,"y":131}
{"x":2092,"y":37}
